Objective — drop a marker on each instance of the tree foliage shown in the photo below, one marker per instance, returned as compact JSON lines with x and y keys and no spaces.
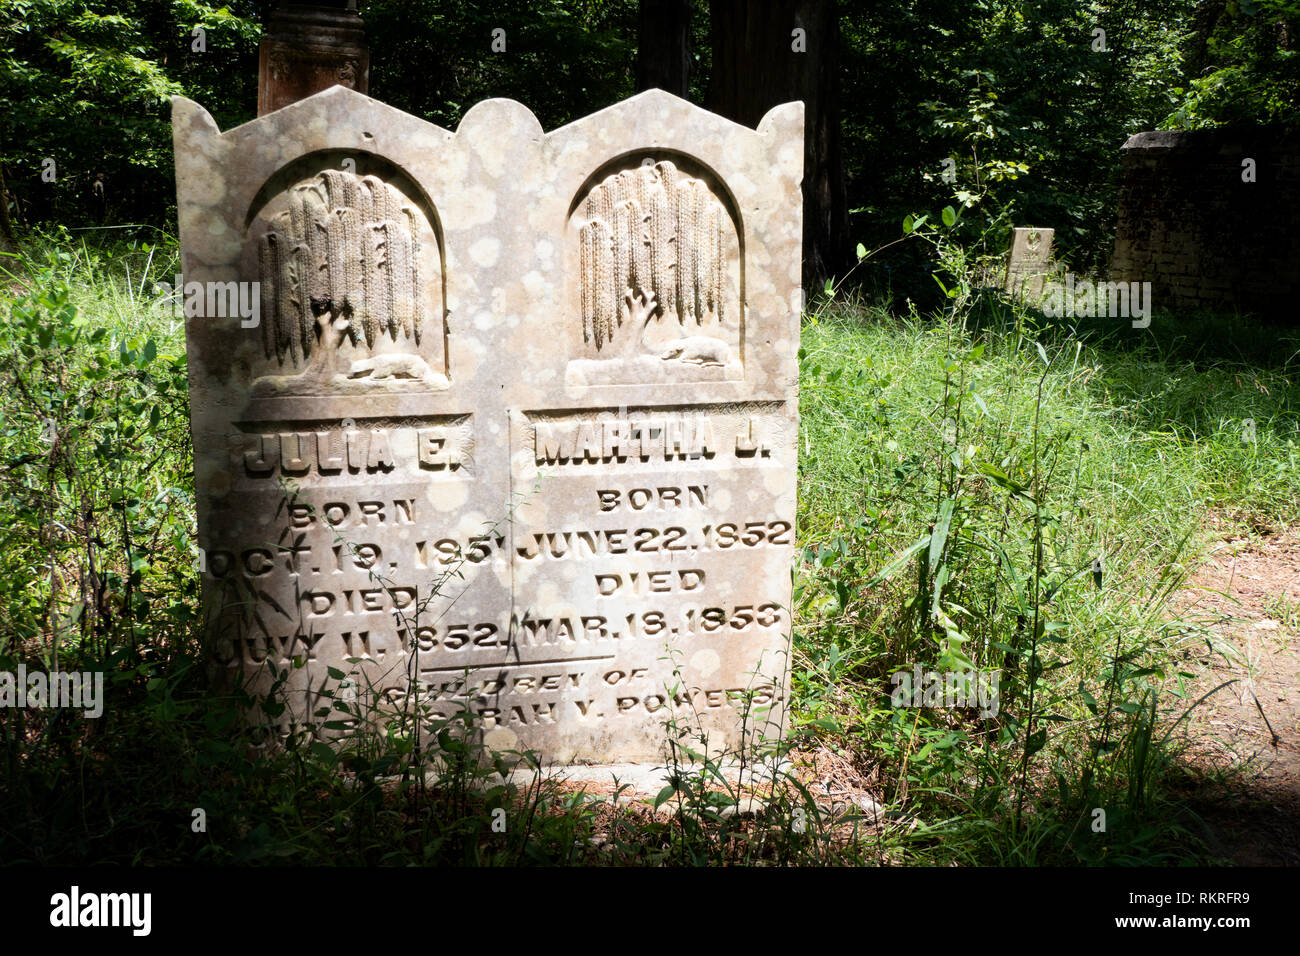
{"x":84,"y":85}
{"x":1010,"y":110}
{"x":561,"y":58}
{"x":1026,"y":103}
{"x":1243,"y":65}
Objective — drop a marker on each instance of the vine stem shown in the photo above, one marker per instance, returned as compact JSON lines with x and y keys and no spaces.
{"x":1038,"y":573}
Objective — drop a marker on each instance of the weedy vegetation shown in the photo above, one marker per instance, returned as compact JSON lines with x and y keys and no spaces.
{"x":981,"y":488}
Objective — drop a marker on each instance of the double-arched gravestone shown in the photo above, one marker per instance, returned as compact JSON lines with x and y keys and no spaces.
{"x":508,"y":425}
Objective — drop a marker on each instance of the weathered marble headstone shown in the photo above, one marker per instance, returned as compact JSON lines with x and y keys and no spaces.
{"x":515,"y":428}
{"x":1029,"y":262}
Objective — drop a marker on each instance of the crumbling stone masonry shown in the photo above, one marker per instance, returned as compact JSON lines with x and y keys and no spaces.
{"x":1193,"y":224}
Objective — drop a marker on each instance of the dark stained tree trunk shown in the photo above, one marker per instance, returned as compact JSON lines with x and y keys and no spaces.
{"x":1206,"y":17}
{"x":8,"y":242}
{"x":309,"y":48}
{"x":663,"y":56}
{"x":759,"y":61}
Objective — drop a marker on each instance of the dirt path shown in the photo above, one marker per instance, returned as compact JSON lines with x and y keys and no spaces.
{"x":1243,"y":744}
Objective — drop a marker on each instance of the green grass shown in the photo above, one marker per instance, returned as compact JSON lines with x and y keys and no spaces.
{"x":1125,"y":453}
{"x":961,"y":476}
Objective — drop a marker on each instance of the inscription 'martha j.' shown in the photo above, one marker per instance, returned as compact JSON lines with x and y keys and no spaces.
{"x":662,"y":437}
{"x":517,"y":434}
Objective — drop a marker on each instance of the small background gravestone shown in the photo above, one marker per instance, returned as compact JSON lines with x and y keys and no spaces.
{"x":1029,"y":261}
{"x":515,"y":429}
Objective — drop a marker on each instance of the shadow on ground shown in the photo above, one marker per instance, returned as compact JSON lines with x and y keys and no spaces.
{"x":1241,"y":763}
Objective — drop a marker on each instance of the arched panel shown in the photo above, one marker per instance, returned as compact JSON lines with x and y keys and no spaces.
{"x":348,"y":254}
{"x":656,"y":240}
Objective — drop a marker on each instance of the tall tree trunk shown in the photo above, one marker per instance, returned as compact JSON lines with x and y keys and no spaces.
{"x":1196,"y":47}
{"x":8,"y":241}
{"x":663,"y":56}
{"x":767,"y":52}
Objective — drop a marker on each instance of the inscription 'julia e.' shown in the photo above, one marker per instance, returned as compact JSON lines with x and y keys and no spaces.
{"x":352,"y":450}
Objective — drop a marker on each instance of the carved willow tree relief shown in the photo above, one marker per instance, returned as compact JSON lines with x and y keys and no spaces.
{"x":659,"y":277}
{"x":350,"y":283}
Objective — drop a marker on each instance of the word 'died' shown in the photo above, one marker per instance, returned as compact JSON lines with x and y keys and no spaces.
{"x":213,"y":300}
{"x":672,"y":437}
{"x":649,"y":582}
